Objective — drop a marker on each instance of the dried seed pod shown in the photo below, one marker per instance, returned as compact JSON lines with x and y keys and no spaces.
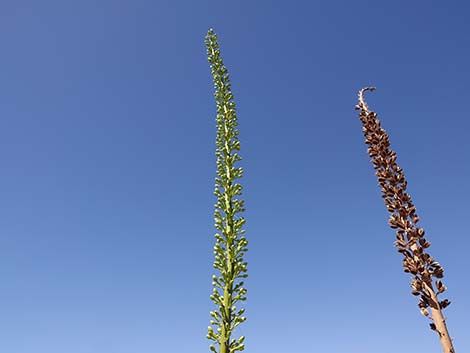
{"x":404,"y":218}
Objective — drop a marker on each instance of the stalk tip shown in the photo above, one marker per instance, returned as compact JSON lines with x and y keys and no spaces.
{"x":362,"y":103}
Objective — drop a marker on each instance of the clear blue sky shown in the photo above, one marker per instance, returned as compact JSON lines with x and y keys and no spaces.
{"x":107,"y":166}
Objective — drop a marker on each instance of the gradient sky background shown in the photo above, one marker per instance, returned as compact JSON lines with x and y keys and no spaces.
{"x":107,"y":171}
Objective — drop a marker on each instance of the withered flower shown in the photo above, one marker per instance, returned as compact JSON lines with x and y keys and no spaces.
{"x":410,"y":239}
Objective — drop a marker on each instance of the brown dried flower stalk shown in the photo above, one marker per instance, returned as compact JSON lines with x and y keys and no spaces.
{"x":410,"y":237}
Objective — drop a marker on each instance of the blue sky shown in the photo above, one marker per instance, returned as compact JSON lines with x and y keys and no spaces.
{"x":107,"y":171}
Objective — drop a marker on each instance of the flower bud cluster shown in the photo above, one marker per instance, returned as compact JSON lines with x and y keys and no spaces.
{"x":231,"y":243}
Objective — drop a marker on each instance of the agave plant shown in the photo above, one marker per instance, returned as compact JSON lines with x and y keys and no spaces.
{"x":425,"y":271}
{"x":231,"y":243}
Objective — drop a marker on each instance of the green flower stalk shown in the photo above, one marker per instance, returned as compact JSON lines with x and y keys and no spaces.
{"x":231,"y":244}
{"x":410,"y":240}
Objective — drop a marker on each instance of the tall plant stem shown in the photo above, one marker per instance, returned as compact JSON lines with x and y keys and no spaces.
{"x":231,"y":244}
{"x":410,"y":238}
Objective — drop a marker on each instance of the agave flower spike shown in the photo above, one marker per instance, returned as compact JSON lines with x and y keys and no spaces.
{"x":425,"y":271}
{"x":231,"y":243}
